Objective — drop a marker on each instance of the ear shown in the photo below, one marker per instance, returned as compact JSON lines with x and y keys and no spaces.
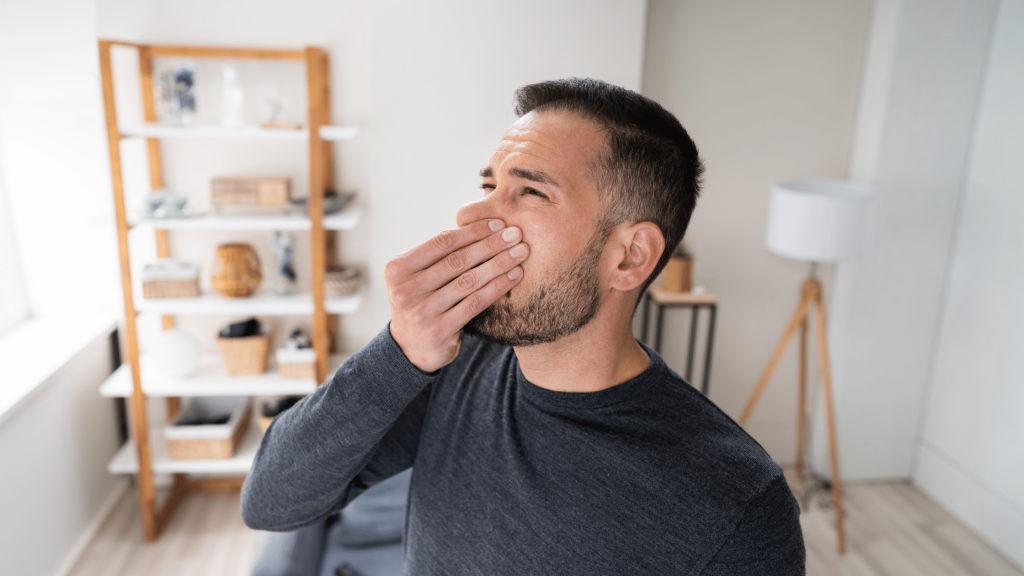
{"x":637,"y":248}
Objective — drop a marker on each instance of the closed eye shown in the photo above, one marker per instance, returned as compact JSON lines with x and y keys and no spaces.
{"x":535,"y":192}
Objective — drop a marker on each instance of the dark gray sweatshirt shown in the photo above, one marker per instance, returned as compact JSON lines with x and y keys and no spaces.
{"x":647,"y":477}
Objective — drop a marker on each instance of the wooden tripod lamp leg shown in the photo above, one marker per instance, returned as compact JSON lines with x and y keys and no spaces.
{"x":837,"y":483}
{"x":801,"y":428}
{"x":798,"y":317}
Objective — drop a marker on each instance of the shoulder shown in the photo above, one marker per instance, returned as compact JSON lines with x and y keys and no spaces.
{"x":765,"y":539}
{"x":708,"y":445}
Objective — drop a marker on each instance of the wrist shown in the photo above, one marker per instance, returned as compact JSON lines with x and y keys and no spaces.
{"x":417,"y":363}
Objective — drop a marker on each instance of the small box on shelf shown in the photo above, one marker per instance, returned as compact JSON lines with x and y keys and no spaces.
{"x":296,"y":363}
{"x":167,"y":278}
{"x":208,"y":427}
{"x":250,"y":191}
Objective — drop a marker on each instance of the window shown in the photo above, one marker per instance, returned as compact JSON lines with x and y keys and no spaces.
{"x":14,"y":307}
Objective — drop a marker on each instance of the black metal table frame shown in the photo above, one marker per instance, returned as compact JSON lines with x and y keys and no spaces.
{"x":694,"y":310}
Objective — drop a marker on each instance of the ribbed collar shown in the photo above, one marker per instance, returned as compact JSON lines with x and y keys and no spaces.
{"x":629,"y":389}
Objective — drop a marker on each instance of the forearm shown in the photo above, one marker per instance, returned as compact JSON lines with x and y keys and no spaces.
{"x":314,"y":457}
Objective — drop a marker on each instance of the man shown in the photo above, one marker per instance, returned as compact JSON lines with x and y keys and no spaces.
{"x":544,"y":439}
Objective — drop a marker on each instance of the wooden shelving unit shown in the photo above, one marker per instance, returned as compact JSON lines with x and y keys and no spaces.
{"x":144,"y":454}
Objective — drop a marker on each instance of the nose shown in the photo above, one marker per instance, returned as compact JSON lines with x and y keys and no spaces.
{"x":477,"y":210}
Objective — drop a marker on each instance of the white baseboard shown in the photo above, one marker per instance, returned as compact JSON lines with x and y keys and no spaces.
{"x":90,"y":531}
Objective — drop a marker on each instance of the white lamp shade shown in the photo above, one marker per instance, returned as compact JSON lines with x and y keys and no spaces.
{"x":821,"y":220}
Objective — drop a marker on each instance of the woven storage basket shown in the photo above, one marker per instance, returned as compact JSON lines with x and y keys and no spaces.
{"x":341,"y":281}
{"x":247,"y":355}
{"x":297,"y":370}
{"x":299,"y":363}
{"x":167,"y":278}
{"x":222,"y":443}
{"x":171,"y":288}
{"x":263,"y":421}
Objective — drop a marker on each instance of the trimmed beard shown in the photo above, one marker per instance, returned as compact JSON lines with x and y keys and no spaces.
{"x":552,"y":311}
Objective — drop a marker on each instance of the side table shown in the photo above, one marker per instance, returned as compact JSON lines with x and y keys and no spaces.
{"x":665,"y":299}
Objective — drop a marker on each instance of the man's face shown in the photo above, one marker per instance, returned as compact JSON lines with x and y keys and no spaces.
{"x":541,"y":178}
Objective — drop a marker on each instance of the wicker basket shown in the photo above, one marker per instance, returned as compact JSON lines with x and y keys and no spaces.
{"x":236,"y":270}
{"x":341,"y":281}
{"x":168,"y":278}
{"x":245,"y":191}
{"x":208,"y":441}
{"x":247,"y":355}
{"x":263,"y":421}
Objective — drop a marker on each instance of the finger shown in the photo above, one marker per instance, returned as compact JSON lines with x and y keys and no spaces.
{"x":458,"y":262}
{"x":472,"y":280}
{"x":478,"y":301}
{"x":448,"y":241}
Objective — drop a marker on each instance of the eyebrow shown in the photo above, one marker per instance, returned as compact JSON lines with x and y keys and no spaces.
{"x":531,"y":175}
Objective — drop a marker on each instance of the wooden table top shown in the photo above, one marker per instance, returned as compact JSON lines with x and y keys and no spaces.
{"x":668,"y":298}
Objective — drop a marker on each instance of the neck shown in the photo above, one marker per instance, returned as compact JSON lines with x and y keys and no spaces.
{"x":598,"y":356}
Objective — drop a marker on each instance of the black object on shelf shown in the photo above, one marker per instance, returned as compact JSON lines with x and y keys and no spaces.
{"x":250,"y":327}
{"x":272,"y":409}
{"x":214,"y":420}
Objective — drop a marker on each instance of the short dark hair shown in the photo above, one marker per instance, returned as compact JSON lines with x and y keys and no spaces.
{"x":652,"y":171}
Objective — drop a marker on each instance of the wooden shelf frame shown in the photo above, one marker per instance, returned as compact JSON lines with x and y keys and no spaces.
{"x":318,"y":132}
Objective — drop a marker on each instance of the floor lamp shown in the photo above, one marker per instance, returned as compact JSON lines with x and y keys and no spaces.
{"x":816,"y":220}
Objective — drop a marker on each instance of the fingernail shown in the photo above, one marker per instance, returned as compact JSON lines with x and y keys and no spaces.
{"x":496,"y":225}
{"x":515,"y":273}
{"x":510,"y":234}
{"x":519,"y":251}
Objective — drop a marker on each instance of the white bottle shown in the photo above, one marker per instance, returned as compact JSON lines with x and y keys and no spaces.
{"x":232,"y":99}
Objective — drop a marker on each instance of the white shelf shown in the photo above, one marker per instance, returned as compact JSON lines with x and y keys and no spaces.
{"x":338,"y":133}
{"x":210,"y":379}
{"x":126,"y":460}
{"x":260,"y":305}
{"x":149,"y":130}
{"x":344,"y":304}
{"x":344,"y":220}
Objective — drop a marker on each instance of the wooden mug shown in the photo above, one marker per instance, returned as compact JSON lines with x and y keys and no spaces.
{"x":676,"y":277}
{"x":236,"y":270}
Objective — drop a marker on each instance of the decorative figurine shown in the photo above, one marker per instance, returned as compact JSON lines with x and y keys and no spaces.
{"x":284,"y":275}
{"x":232,"y":99}
{"x":165,"y":204}
{"x":183,"y":99}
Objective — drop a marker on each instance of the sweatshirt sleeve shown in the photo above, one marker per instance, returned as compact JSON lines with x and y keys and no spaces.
{"x":767,"y":540}
{"x":356,"y":430}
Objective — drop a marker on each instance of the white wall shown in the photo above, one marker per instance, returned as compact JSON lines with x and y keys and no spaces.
{"x":970,"y":456}
{"x":54,"y":448}
{"x":768,"y":90}
{"x":430,"y":84}
{"x":53,"y":154}
{"x":921,"y":89}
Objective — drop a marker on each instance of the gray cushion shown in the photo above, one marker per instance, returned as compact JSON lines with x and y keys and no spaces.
{"x":296,"y":553}
{"x":375,"y":517}
{"x":387,"y":560}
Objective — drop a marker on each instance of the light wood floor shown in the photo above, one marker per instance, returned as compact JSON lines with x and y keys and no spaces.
{"x":892,"y":530}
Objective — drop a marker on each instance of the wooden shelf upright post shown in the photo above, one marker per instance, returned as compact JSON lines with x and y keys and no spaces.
{"x":320,"y":178}
{"x":153,"y":519}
